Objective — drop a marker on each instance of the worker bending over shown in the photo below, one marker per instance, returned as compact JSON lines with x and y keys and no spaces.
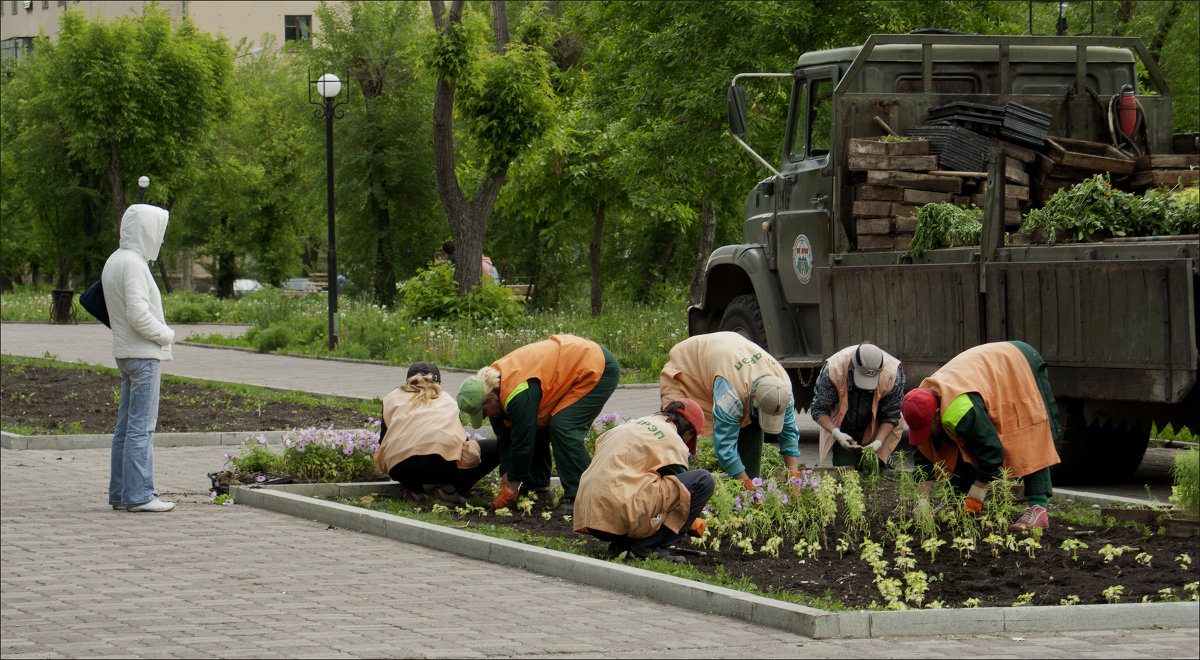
{"x":638,"y":493}
{"x":993,"y":403}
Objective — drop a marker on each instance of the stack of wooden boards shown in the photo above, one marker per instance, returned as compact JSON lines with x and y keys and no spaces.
{"x":901,"y":177}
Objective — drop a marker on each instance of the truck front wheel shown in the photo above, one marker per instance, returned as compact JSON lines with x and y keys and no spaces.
{"x":744,"y":317}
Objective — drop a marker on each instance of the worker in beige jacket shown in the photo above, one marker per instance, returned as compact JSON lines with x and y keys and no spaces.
{"x":638,"y":494}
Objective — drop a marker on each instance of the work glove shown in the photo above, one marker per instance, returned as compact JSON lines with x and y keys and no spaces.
{"x":974,"y":502}
{"x":845,"y":440}
{"x":698,"y":528}
{"x":506,"y":497}
{"x":875,"y":446}
{"x":748,"y":483}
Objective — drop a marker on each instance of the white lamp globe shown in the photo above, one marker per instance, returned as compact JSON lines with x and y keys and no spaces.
{"x":329,"y":86}
{"x":143,"y":181}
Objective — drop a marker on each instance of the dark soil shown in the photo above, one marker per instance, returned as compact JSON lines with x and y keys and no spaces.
{"x":85,"y":401}
{"x":1051,"y":576}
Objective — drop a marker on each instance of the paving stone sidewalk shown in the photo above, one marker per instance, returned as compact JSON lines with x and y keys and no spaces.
{"x":81,"y":580}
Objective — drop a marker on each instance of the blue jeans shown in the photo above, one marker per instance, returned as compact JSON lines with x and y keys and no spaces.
{"x":132,"y":480}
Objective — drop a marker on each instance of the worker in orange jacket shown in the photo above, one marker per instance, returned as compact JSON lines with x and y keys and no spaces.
{"x":540,"y":398}
{"x":988,"y":407}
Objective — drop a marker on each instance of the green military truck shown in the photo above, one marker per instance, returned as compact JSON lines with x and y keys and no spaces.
{"x":1116,"y":320}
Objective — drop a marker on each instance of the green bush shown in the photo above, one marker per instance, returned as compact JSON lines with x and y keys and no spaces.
{"x":328,"y":455}
{"x":255,"y":455}
{"x":271,"y":338}
{"x":432,"y":293}
{"x":1185,"y":494}
{"x":191,"y":307}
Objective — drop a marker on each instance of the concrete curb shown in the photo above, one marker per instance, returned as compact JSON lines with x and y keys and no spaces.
{"x":104,"y":440}
{"x":297,"y":500}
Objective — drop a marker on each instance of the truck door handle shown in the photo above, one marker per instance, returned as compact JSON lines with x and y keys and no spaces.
{"x":819,"y":200}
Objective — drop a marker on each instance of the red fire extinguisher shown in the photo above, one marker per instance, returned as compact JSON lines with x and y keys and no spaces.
{"x":1127,"y":112}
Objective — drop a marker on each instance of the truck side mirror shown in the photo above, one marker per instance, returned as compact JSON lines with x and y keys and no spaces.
{"x":736,"y":101}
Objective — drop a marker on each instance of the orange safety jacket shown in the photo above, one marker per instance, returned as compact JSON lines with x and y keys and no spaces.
{"x":1001,"y":375}
{"x":566,"y":366}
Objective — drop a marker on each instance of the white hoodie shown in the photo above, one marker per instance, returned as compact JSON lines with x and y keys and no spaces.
{"x":134,"y":303}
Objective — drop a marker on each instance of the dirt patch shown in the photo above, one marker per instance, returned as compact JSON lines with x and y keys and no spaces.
{"x":952,"y":579}
{"x":85,"y":401}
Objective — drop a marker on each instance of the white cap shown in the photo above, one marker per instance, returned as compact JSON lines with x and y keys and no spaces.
{"x":772,"y":397}
{"x":868,"y":362}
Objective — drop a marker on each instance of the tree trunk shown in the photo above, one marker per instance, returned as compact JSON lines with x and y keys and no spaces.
{"x":162,"y":272}
{"x":708,"y":231}
{"x":594,"y":259}
{"x":1121,"y":20}
{"x":468,"y":220}
{"x":500,"y":21}
{"x":1164,"y":26}
{"x":115,"y":183}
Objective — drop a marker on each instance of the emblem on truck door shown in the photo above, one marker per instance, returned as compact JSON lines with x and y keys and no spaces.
{"x":802,"y":258}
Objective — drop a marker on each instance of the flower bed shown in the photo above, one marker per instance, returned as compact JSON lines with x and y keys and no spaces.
{"x":804,"y":541}
{"x":833,"y":539}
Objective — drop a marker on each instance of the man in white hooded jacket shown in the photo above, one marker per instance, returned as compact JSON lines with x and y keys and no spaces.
{"x":141,"y":339}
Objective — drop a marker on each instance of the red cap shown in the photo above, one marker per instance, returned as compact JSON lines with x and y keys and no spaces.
{"x":695,"y":416}
{"x":919,"y":408}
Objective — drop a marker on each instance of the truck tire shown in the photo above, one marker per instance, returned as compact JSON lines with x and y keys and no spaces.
{"x":744,"y":317}
{"x":1105,"y":452}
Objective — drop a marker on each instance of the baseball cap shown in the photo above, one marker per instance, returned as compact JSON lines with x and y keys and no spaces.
{"x":425,"y":368}
{"x":868,"y":362}
{"x":695,"y":416}
{"x":772,"y":396}
{"x":919,"y":408}
{"x":470,"y":400}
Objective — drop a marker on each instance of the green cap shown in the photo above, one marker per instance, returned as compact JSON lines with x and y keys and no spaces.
{"x":470,"y":400}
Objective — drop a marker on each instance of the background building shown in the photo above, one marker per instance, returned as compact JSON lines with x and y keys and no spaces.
{"x":286,"y":20}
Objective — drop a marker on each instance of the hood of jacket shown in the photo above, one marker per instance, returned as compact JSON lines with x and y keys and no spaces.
{"x":143,"y":228}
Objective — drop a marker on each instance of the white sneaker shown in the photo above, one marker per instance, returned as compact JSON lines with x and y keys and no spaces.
{"x":153,"y":506}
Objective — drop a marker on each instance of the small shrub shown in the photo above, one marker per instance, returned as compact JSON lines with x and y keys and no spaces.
{"x":1185,"y":494}
{"x":271,"y":338}
{"x":191,"y":307}
{"x":433,"y":293}
{"x":255,"y":455}
{"x":328,"y":455}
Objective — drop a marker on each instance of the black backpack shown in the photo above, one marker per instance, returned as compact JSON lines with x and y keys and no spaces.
{"x":92,"y":300}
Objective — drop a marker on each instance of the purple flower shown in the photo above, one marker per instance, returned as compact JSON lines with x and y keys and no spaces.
{"x":758,"y":495}
{"x":227,"y":503}
{"x":260,"y":478}
{"x":757,"y":481}
{"x":783,"y":498}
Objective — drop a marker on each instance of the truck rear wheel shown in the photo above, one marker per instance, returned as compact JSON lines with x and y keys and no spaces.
{"x":744,"y":317}
{"x":1100,"y":452}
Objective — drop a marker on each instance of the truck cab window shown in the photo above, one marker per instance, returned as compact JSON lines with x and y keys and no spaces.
{"x":821,"y":95}
{"x":813,"y":119}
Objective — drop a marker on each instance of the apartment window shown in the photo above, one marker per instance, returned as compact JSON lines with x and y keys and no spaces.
{"x":45,"y":4}
{"x":14,"y":6}
{"x":297,"y":28}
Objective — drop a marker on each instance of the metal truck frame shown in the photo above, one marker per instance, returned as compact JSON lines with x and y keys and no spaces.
{"x":1116,"y":321}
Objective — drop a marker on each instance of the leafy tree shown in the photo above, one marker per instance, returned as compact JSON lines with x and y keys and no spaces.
{"x":506,"y":100}
{"x":136,"y":94}
{"x":387,"y":205}
{"x":249,"y":202}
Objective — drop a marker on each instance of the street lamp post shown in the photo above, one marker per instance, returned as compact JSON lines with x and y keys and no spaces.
{"x":328,"y":86}
{"x":143,"y":183}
